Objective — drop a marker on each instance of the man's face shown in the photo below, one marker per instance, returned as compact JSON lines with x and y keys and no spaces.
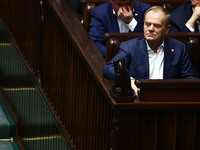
{"x":195,"y":3}
{"x":116,"y":4}
{"x":154,"y":26}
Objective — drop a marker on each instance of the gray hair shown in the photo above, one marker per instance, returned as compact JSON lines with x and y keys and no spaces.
{"x":167,"y":14}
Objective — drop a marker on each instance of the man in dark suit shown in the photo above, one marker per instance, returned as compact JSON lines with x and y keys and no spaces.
{"x":153,"y":56}
{"x":185,"y":18}
{"x":116,"y":16}
{"x":77,"y":8}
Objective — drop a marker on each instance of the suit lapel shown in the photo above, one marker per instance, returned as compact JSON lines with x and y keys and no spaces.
{"x":136,"y":10}
{"x":143,"y":58}
{"x":136,"y":15}
{"x":168,"y":54}
{"x":112,"y":19}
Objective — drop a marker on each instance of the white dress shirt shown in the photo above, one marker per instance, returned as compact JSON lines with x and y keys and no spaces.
{"x":156,"y":62}
{"x":123,"y":27}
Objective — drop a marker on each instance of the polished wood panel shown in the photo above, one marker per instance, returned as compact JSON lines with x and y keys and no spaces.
{"x":169,"y":90}
{"x":79,"y":95}
{"x":38,"y":126}
{"x":71,"y":68}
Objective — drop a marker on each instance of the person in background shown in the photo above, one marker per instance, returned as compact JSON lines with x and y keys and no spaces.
{"x":185,"y":18}
{"x":77,"y":8}
{"x":153,"y":56}
{"x":119,"y":16}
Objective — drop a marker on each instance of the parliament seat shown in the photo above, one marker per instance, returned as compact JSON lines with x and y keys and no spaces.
{"x":191,"y":40}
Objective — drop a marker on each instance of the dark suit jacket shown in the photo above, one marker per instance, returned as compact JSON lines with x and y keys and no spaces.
{"x":77,"y":8}
{"x":176,"y":63}
{"x":180,"y":16}
{"x":103,"y":21}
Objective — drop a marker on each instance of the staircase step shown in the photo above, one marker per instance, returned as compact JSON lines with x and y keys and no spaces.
{"x":9,"y":145}
{"x":6,"y":146}
{"x":4,"y":125}
{"x":7,"y":129}
{"x":7,"y":125}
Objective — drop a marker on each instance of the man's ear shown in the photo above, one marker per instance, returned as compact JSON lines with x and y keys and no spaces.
{"x":168,"y":27}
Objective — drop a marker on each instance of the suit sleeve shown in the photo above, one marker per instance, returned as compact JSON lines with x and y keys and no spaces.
{"x":187,"y":71}
{"x":97,"y":31}
{"x":178,"y":21}
{"x":77,"y":8}
{"x":108,"y":70}
{"x":178,"y":27}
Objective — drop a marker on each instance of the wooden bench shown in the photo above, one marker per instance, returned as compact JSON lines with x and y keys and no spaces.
{"x":166,"y":90}
{"x":90,"y":4}
{"x":166,"y":113}
{"x":191,"y":40}
{"x":154,"y":90}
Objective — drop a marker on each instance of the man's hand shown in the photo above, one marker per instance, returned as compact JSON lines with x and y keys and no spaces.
{"x":125,"y":14}
{"x":134,"y":87}
{"x":195,"y":17}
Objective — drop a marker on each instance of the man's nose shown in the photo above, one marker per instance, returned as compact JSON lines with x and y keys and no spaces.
{"x":151,"y":27}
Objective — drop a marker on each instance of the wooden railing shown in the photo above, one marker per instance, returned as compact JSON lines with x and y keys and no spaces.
{"x":53,"y":41}
{"x":71,"y":75}
{"x":164,"y":117}
{"x":37,"y":125}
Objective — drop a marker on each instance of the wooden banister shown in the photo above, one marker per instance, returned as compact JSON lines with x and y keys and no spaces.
{"x":112,"y":47}
{"x":73,"y":82}
{"x":121,"y":89}
{"x":86,"y":16}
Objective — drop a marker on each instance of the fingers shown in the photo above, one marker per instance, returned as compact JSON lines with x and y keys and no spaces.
{"x":135,"y":88}
{"x":125,"y":14}
{"x":123,"y":10}
{"x":119,"y":13}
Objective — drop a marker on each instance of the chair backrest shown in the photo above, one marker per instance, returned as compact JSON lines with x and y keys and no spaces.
{"x":191,"y":40}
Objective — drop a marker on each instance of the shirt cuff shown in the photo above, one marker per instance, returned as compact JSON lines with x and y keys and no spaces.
{"x":189,"y":27}
{"x":132,"y":24}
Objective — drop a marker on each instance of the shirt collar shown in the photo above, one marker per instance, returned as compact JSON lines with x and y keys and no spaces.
{"x":148,"y":47}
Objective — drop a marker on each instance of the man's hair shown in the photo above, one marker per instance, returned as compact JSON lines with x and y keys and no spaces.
{"x":167,"y":14}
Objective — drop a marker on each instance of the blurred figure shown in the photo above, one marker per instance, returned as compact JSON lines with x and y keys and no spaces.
{"x":77,"y":8}
{"x":116,"y":16}
{"x":185,"y":18}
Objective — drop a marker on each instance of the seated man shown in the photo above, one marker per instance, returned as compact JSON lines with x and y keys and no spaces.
{"x":116,"y":16}
{"x":153,"y":56}
{"x":185,"y":18}
{"x":77,"y":8}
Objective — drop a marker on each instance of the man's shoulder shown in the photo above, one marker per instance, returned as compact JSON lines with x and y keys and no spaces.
{"x":179,"y":10}
{"x":172,"y":40}
{"x":135,"y":41}
{"x":102,"y":7}
{"x":142,"y":4}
